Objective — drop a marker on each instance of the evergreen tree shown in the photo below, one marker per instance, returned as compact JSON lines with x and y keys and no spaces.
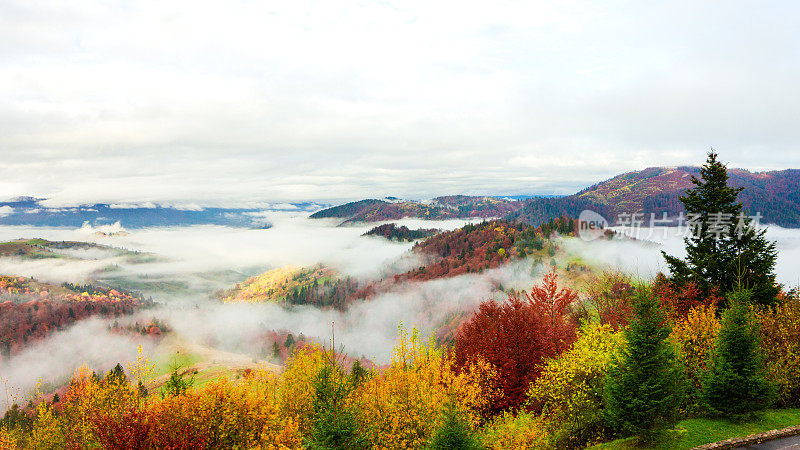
{"x":117,"y":373}
{"x":454,"y":433}
{"x":177,"y":384}
{"x":735,"y":382}
{"x":644,"y":388}
{"x":335,"y":425}
{"x":724,"y":251}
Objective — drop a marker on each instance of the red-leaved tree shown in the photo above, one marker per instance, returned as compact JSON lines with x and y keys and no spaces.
{"x":516,"y":336}
{"x":676,"y":301}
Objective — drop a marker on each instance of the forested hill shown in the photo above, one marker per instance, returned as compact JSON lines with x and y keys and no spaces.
{"x":449,"y":207}
{"x":776,"y":195}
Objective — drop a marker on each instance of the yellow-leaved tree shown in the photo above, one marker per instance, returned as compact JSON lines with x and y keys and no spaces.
{"x":780,"y":342}
{"x":694,"y":336}
{"x":570,"y":389}
{"x":405,"y":403}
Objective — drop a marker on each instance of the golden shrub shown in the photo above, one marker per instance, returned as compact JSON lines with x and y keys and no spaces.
{"x":694,"y":337}
{"x":570,"y":389}
{"x":404,"y":404}
{"x":507,"y":431}
{"x":780,"y":342}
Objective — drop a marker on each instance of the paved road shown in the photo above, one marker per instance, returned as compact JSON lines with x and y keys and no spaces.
{"x":789,"y":443}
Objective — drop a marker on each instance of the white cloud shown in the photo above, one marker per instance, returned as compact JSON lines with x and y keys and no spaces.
{"x":199,"y":102}
{"x":6,"y":211}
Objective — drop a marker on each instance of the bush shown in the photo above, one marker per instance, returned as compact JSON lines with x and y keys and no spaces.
{"x":677,"y":301}
{"x":643,"y":386}
{"x":694,"y":336}
{"x":780,"y":338}
{"x":570,"y":388}
{"x":610,"y":295}
{"x":296,"y":393}
{"x":736,"y":382}
{"x":404,"y":404}
{"x":515,"y":337}
{"x":521,"y":431}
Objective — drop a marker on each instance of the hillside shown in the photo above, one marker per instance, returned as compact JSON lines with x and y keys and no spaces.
{"x":30,"y":310}
{"x":487,"y":245}
{"x":448,"y":207}
{"x":319,"y":286}
{"x":776,"y":195}
{"x":280,"y":285}
{"x":472,"y":248}
{"x":402,"y":233}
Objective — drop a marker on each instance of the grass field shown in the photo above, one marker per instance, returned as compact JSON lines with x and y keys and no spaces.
{"x":693,"y":432}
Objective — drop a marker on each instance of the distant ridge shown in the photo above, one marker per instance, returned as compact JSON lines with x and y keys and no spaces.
{"x":31,"y":211}
{"x":447,"y":207}
{"x":775,"y":195}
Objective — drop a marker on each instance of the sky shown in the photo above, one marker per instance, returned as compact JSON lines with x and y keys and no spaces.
{"x":241,"y":101}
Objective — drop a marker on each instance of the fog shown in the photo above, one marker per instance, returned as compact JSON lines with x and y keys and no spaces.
{"x":206,"y":258}
{"x":194,"y":256}
{"x":54,"y":270}
{"x":293,"y":239}
{"x":643,"y":256}
{"x":55,"y":358}
{"x":367,"y":328}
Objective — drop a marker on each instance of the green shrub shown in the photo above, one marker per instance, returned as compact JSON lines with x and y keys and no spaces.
{"x":570,"y":389}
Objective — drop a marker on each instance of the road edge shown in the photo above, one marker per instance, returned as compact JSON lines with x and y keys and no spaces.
{"x":752,"y":439}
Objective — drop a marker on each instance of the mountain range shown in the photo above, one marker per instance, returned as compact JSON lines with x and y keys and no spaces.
{"x":33,"y":211}
{"x":775,"y":195}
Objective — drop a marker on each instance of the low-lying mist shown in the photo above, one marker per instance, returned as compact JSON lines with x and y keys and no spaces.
{"x":52,"y":360}
{"x":205,"y":258}
{"x":367,"y":328}
{"x":292,"y":240}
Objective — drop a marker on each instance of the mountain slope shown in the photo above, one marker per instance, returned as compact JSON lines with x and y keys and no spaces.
{"x":30,"y":310}
{"x":656,"y":190}
{"x":776,"y":195}
{"x":449,"y":207}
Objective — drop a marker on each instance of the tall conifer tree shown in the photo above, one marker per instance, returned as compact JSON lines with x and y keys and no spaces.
{"x":723,"y":251}
{"x":644,"y":388}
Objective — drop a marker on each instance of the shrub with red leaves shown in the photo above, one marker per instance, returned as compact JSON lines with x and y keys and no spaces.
{"x":611,"y":294}
{"x":516,"y":336}
{"x":129,"y":432}
{"x":677,"y":301}
{"x":135,"y":430}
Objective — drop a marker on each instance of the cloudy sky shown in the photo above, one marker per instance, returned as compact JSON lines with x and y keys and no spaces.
{"x":260,"y":100}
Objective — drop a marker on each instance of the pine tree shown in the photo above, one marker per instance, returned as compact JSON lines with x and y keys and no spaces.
{"x":644,"y":388}
{"x":724,"y":251}
{"x":454,"y":433}
{"x":735,"y":383}
{"x":335,"y":425}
